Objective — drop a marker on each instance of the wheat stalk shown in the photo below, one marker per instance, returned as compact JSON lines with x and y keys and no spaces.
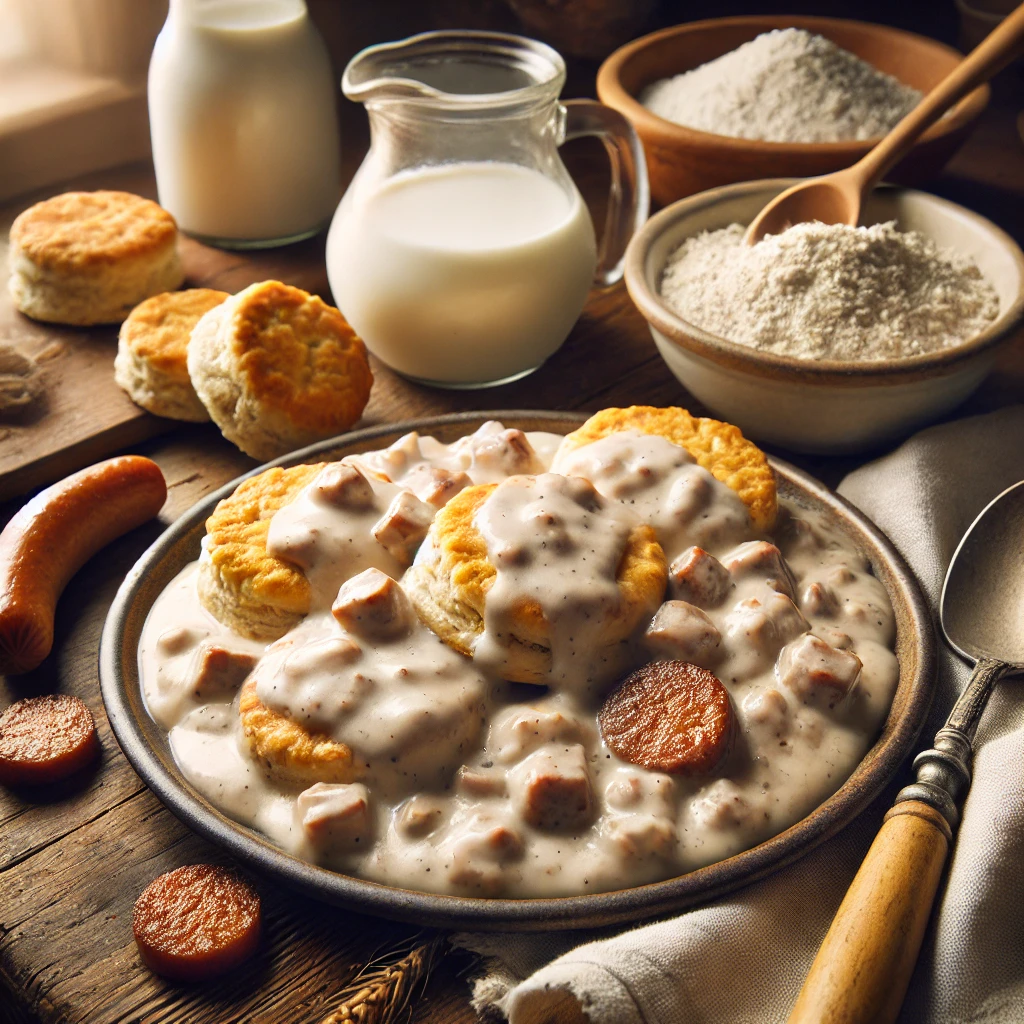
{"x":380,"y":993}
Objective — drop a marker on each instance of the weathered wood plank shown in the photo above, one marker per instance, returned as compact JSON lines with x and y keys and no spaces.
{"x":66,"y":944}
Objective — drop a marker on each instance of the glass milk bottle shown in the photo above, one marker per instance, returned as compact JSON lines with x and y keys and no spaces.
{"x":242,"y":118}
{"x":462,"y":252}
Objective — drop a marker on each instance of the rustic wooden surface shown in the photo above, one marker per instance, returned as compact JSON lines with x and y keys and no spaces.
{"x":72,"y":862}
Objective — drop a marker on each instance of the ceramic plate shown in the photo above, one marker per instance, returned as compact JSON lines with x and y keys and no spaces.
{"x":145,"y":743}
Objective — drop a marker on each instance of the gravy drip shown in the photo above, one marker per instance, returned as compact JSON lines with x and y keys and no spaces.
{"x":663,"y":484}
{"x":557,"y":545}
{"x":331,"y":539}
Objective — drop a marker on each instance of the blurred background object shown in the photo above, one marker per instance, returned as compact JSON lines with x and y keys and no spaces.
{"x":101,"y":37}
{"x":72,"y":87}
{"x":584,"y":28}
{"x":978,"y":18}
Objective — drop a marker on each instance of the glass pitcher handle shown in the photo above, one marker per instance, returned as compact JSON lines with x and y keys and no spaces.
{"x":629,"y":198}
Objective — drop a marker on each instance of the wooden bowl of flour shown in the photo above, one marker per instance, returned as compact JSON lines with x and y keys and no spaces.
{"x":682,"y":161}
{"x":819,"y":405}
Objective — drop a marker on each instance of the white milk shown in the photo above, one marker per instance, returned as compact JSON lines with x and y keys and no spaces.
{"x":242,"y":117}
{"x":465,"y":273}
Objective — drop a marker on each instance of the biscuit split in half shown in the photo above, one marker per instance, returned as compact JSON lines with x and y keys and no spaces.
{"x":88,"y":257}
{"x":277,"y":368}
{"x":719,"y":447}
{"x":151,"y":352}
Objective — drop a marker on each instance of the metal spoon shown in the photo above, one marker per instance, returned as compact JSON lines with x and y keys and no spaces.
{"x":836,"y":198}
{"x":863,"y":967}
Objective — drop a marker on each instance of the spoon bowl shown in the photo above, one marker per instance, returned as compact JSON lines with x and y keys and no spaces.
{"x":831,"y":199}
{"x":982,"y":603}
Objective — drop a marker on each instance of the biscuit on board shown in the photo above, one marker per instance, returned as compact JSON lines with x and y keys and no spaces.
{"x":277,"y":368}
{"x":88,"y":257}
{"x":287,"y":750}
{"x":151,"y":352}
{"x":719,"y":447}
{"x":449,"y":581}
{"x":240,"y":584}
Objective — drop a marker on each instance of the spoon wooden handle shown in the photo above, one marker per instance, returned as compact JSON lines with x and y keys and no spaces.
{"x":988,"y":57}
{"x":863,"y":967}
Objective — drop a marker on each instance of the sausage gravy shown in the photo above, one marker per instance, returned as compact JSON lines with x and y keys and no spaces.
{"x":466,"y":784}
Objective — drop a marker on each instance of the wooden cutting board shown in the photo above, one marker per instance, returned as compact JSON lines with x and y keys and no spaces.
{"x":86,"y":416}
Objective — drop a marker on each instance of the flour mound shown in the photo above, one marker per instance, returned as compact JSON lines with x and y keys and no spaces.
{"x":829,"y":291}
{"x":784,"y":86}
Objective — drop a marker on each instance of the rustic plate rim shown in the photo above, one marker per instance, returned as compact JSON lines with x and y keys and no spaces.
{"x":118,"y":684}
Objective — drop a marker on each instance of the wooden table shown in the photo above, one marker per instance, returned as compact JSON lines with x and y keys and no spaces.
{"x":72,"y":864}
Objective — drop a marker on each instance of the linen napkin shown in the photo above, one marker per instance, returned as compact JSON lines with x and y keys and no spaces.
{"x":744,"y":957}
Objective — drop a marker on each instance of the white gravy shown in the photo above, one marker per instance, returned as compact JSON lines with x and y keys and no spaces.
{"x":557,"y":544}
{"x":472,"y":786}
{"x":664,"y":486}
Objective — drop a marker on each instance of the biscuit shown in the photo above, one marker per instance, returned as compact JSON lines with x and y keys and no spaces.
{"x":88,"y":257}
{"x":242,"y":586}
{"x":719,"y":447}
{"x":449,"y":582}
{"x":151,"y":349}
{"x":277,"y":368}
{"x":291,"y":753}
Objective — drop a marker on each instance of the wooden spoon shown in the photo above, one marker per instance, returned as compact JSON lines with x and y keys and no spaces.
{"x":836,"y":198}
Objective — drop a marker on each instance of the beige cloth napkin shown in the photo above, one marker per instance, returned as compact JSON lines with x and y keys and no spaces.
{"x":743,"y":958}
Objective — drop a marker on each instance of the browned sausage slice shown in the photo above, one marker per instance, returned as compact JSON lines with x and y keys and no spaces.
{"x":669,"y":716}
{"x":196,"y":922}
{"x":45,"y":739}
{"x":54,"y":535}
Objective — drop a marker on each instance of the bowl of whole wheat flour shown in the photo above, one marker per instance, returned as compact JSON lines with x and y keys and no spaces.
{"x":827,"y":338}
{"x":735,"y":99}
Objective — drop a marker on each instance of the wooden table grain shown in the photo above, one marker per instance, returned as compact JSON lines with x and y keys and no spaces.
{"x":73,"y":861}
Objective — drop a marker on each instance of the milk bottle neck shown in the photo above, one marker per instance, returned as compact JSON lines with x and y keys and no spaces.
{"x":241,"y":16}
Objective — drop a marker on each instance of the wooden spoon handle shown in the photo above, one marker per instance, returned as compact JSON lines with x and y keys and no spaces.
{"x":988,"y":57}
{"x":862,"y":970}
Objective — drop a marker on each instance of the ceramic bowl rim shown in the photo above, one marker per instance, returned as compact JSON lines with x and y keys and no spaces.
{"x":643,"y":291}
{"x":611,"y":91}
{"x":118,"y":669}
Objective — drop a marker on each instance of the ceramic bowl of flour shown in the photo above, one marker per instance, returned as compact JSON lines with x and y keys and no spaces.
{"x":821,"y":405}
{"x":682,"y":161}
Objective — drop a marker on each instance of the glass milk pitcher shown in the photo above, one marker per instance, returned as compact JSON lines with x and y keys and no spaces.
{"x":462,"y":252}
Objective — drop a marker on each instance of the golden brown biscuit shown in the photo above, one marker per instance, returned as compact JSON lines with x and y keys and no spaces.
{"x":247,"y":589}
{"x":452,"y":575}
{"x":291,"y":753}
{"x":89,"y":257}
{"x":151,"y":352}
{"x":278,"y":368}
{"x":719,"y":447}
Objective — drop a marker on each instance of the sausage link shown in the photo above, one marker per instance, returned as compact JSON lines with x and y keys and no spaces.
{"x":54,"y":535}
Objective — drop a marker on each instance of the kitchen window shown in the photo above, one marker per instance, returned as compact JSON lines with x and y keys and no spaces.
{"x":72,"y":87}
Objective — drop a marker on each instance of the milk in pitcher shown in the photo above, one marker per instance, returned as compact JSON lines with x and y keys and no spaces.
{"x":466,"y":272}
